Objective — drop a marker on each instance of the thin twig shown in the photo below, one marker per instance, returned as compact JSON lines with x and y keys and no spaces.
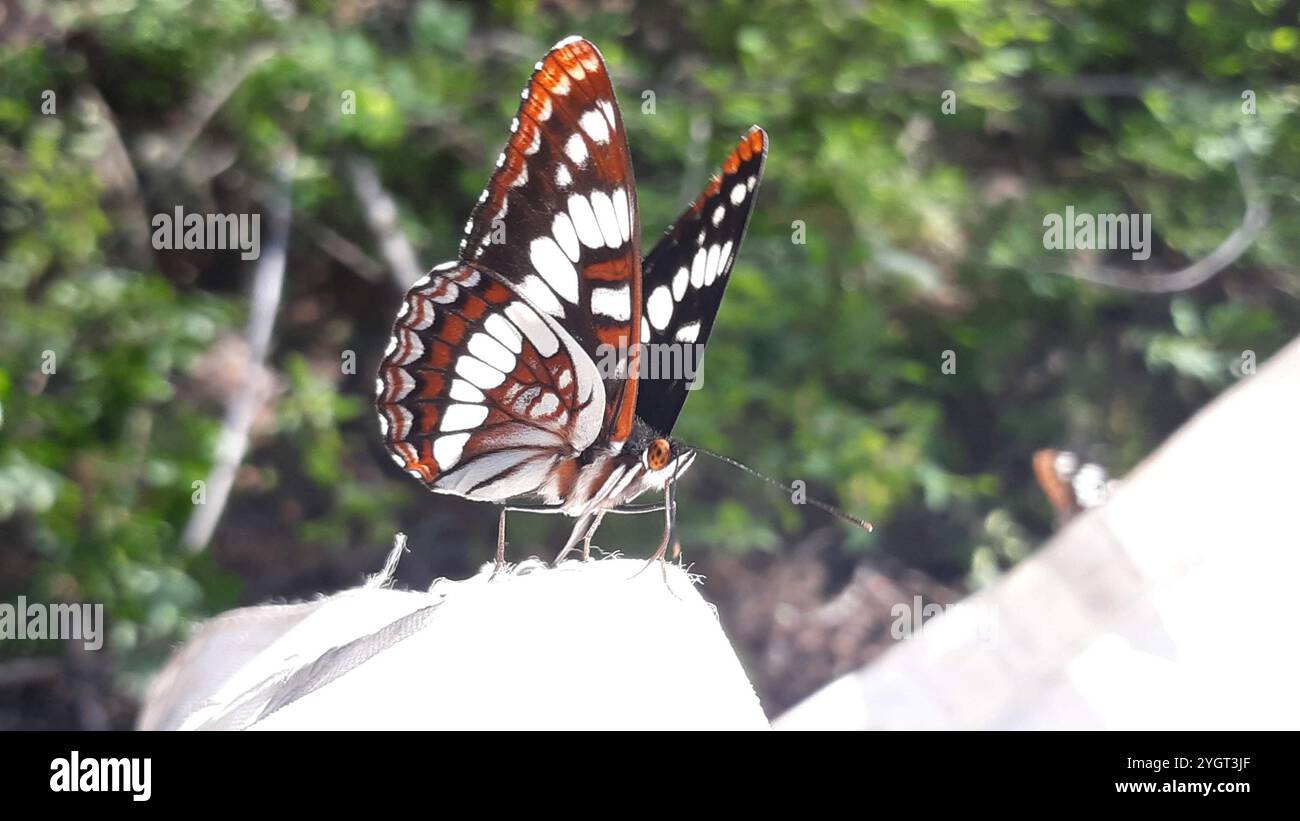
{"x":227,"y":78}
{"x":117,"y":175}
{"x":380,"y":210}
{"x":343,"y":250}
{"x":1253,"y":223}
{"x":268,"y":283}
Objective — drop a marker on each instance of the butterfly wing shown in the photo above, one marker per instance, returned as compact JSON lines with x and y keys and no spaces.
{"x":481,"y":395}
{"x":684,"y":277}
{"x":558,"y":220}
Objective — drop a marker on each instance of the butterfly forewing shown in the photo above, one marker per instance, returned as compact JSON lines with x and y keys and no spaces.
{"x":479,"y":394}
{"x":684,"y":277}
{"x":558,"y":220}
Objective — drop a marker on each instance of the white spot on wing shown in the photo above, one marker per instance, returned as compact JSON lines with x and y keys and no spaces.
{"x":603,"y":206}
{"x":621,"y":211}
{"x":660,"y":307}
{"x":737,"y":194}
{"x":505,"y":333}
{"x":463,"y":391}
{"x":562,"y":228}
{"x":537,"y":292}
{"x":718,"y":214}
{"x":485,"y":347}
{"x":554,"y":266}
{"x":462,"y":417}
{"x":711,"y":264}
{"x":688,"y":332}
{"x":576,"y":148}
{"x":608,"y":108}
{"x":584,"y":222}
{"x":679,"y":283}
{"x":447,"y":449}
{"x":533,"y":327}
{"x":563,"y":177}
{"x":615,"y":303}
{"x":478,"y":373}
{"x":593,"y":122}
{"x":697,"y":269}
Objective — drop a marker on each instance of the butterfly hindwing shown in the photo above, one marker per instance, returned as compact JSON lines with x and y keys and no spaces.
{"x":558,"y":220}
{"x":478,"y":393}
{"x":684,"y":277}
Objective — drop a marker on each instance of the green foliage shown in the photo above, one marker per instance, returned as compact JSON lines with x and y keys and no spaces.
{"x":923,"y":229}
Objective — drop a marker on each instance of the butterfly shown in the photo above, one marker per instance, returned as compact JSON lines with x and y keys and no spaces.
{"x":1072,"y":486}
{"x":518,"y":369}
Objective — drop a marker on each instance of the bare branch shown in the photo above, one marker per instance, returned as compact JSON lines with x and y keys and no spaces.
{"x":268,"y":283}
{"x":117,"y":176}
{"x":343,"y":250}
{"x":227,"y":78}
{"x":1253,"y":223}
{"x":380,"y":210}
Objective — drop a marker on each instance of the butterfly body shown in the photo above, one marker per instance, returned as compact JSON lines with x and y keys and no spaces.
{"x":514,"y":371}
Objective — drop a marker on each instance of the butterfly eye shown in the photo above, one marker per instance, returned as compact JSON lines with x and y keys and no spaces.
{"x":657,"y":455}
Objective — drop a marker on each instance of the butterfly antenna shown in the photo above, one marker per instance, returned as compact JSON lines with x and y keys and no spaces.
{"x":834,"y":511}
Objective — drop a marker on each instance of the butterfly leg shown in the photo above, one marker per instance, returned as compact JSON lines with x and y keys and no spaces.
{"x":501,"y":528}
{"x":632,"y":510}
{"x":582,"y":531}
{"x":589,"y":532}
{"x":501,"y":542}
{"x":670,"y":531}
{"x":586,"y":540}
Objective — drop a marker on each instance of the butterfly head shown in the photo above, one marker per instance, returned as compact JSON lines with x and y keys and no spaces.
{"x":661,"y":458}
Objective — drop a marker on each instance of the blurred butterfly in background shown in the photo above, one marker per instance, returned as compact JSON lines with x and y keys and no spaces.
{"x":1070,"y":484}
{"x":515,"y":370}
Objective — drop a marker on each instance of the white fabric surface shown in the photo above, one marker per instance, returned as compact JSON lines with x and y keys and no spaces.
{"x":587,"y":645}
